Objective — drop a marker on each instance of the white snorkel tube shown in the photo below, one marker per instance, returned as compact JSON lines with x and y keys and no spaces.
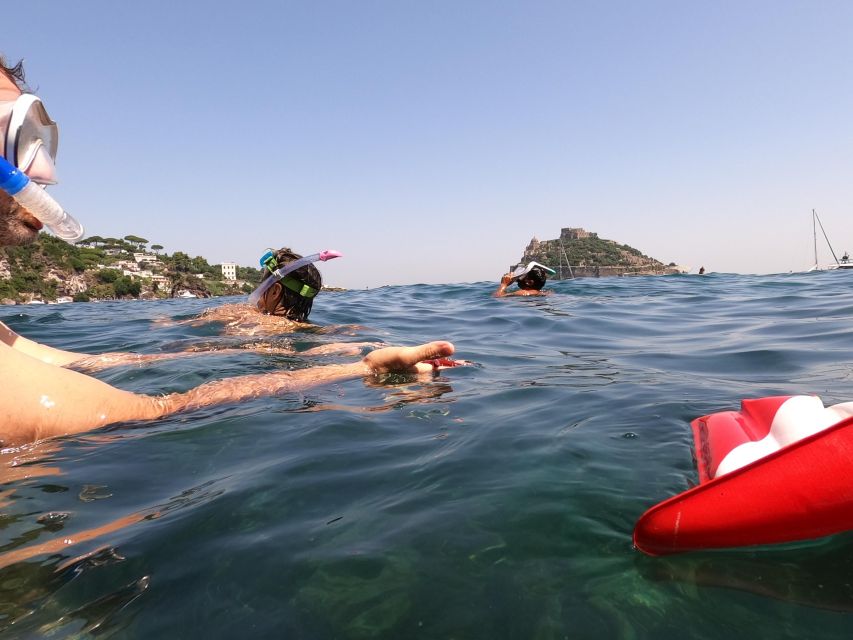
{"x":38,"y":202}
{"x":282,"y":271}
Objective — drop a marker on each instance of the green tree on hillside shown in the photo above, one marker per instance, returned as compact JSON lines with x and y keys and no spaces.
{"x":181,"y":262}
{"x":200,"y":265}
{"x":139,"y":242}
{"x":249,"y":274}
{"x":107,"y":276}
{"x":127,"y":286}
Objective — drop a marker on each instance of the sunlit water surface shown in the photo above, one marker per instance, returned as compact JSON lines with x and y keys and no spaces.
{"x":487,"y":502}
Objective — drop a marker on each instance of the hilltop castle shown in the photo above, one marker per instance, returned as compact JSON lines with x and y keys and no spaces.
{"x":566,"y":233}
{"x":581,"y":253}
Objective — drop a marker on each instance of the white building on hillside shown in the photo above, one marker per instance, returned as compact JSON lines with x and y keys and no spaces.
{"x":229,"y":270}
{"x":145,"y":257}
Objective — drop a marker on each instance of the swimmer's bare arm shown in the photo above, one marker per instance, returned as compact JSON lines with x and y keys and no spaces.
{"x":97,"y":362}
{"x":92,"y":363}
{"x":39,"y":351}
{"x":39,"y":400}
{"x":398,"y":359}
{"x":80,"y":361}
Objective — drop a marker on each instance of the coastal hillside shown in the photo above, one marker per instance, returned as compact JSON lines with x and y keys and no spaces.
{"x":97,"y":268}
{"x":580,"y":253}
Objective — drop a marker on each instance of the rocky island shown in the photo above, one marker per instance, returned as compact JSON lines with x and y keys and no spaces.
{"x":578,"y":253}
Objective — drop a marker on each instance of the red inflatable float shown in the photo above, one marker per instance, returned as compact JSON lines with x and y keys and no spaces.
{"x":778,"y":470}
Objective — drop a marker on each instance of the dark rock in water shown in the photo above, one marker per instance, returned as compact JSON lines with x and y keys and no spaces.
{"x":186,"y":283}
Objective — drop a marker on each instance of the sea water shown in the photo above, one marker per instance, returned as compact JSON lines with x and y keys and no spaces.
{"x":494,"y":501}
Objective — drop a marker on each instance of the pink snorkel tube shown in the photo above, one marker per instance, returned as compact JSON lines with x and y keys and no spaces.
{"x":282,"y":271}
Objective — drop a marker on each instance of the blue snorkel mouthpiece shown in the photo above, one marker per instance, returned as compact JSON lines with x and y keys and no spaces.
{"x":268,"y":261}
{"x":38,"y":202}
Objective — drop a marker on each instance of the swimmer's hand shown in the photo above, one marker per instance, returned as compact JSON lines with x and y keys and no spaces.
{"x":407,"y":359}
{"x":506,"y":280}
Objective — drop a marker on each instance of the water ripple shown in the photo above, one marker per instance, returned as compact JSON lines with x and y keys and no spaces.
{"x":488,"y":502}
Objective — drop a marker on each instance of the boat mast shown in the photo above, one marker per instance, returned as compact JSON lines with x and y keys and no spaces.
{"x":563,"y":249}
{"x":814,"y":233}
{"x":825,"y":237}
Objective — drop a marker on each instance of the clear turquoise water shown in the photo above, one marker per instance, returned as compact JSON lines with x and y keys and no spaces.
{"x":487,"y":502}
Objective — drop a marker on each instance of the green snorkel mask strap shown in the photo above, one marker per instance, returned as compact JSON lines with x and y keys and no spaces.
{"x":302,"y":289}
{"x":269,"y":262}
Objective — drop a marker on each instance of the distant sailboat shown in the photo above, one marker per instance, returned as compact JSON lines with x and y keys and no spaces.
{"x":843,"y":263}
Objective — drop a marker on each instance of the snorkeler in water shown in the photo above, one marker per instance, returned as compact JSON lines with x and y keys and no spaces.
{"x":281,"y":303}
{"x":530,"y":279}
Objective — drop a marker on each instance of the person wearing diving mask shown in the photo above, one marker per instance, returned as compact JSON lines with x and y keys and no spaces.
{"x":29,"y":141}
{"x":530,"y":279}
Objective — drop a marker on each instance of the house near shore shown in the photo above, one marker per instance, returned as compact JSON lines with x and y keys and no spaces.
{"x":229,"y":271}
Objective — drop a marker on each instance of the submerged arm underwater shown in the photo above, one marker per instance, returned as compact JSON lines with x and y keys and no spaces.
{"x":41,"y":352}
{"x":80,"y":361}
{"x":88,"y":362}
{"x":41,"y":400}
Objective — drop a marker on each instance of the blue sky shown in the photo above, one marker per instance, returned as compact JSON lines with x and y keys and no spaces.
{"x":430,"y":141}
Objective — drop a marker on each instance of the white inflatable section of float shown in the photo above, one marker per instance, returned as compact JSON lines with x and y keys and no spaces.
{"x":797,"y":418}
